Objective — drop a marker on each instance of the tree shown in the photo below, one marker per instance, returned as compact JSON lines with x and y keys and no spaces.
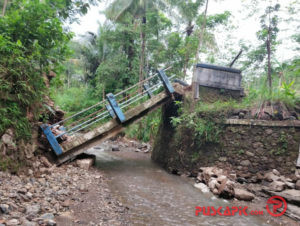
{"x":4,"y":7}
{"x":268,"y":35}
{"x":120,"y":9}
{"x":201,"y":34}
{"x":188,"y":11}
{"x":32,"y":43}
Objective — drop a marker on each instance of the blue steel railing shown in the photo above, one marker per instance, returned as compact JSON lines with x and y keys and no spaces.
{"x":113,"y":106}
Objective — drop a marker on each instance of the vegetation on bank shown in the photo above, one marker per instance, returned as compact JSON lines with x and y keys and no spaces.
{"x":134,"y":41}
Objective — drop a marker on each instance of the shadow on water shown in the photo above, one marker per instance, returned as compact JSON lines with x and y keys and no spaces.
{"x":155,"y":197}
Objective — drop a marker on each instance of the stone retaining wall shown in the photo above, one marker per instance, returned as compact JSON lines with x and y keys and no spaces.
{"x":247,"y":147}
{"x":256,"y":148}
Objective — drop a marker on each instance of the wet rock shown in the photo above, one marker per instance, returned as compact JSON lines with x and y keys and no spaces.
{"x":4,"y":208}
{"x":244,"y":195}
{"x":202,"y":187}
{"x":85,"y":163}
{"x":277,"y":186}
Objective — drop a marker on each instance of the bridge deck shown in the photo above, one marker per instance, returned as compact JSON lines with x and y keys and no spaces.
{"x":79,"y":143}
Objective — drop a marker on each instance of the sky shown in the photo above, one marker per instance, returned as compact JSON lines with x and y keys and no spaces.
{"x":246,"y":27}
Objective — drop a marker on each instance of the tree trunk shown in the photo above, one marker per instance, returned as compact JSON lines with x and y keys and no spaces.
{"x":187,"y":58}
{"x":142,"y":57}
{"x":269,"y":56}
{"x":4,"y":7}
{"x":201,"y":34}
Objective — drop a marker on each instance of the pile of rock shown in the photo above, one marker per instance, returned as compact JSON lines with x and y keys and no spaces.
{"x":46,"y":191}
{"x":221,"y":184}
{"x":276,"y":182}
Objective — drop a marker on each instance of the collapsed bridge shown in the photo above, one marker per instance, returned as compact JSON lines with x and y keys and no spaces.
{"x":122,"y":108}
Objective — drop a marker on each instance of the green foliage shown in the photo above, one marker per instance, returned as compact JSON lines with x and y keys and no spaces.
{"x":146,"y":129}
{"x":205,"y":124}
{"x":32,"y":42}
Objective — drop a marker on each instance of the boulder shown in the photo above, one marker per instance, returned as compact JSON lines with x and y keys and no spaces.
{"x":202,"y":187}
{"x":212,"y":184}
{"x":85,"y":163}
{"x":244,"y":195}
{"x":277,"y":186}
{"x":270,"y":177}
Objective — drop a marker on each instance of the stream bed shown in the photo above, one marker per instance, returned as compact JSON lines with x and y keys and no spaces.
{"x":155,"y":197}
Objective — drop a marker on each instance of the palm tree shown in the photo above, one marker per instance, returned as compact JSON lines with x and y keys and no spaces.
{"x":4,"y":7}
{"x":118,"y":10}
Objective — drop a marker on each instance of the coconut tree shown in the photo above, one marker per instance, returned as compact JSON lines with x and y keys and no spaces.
{"x":119,"y":10}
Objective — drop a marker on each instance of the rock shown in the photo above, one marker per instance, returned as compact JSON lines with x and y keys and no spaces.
{"x":212,"y":184}
{"x":268,"y":131}
{"x":12,"y":222}
{"x":297,"y":185}
{"x":115,"y":148}
{"x":33,"y":209}
{"x":250,"y":154}
{"x":241,"y":115}
{"x":257,"y":145}
{"x":45,"y":161}
{"x":47,"y":216}
{"x":221,"y":178}
{"x":270,"y":176}
{"x":66,"y":203}
{"x":245,"y":163}
{"x":222,"y":159}
{"x":25,"y":222}
{"x":276,"y":172}
{"x":277,"y":186}
{"x":49,"y":222}
{"x":290,"y":185}
{"x":202,"y":187}
{"x":85,"y":163}
{"x":241,"y":194}
{"x":4,"y":208}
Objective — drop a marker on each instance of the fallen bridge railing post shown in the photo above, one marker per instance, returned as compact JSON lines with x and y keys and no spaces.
{"x":51,"y":138}
{"x":115,"y":107}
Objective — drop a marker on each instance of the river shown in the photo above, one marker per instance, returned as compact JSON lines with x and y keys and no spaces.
{"x":155,"y":197}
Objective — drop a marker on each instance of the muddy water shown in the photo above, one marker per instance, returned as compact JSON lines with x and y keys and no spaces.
{"x":155,"y":197}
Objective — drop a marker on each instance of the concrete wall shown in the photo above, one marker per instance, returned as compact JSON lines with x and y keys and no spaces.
{"x":216,"y":77}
